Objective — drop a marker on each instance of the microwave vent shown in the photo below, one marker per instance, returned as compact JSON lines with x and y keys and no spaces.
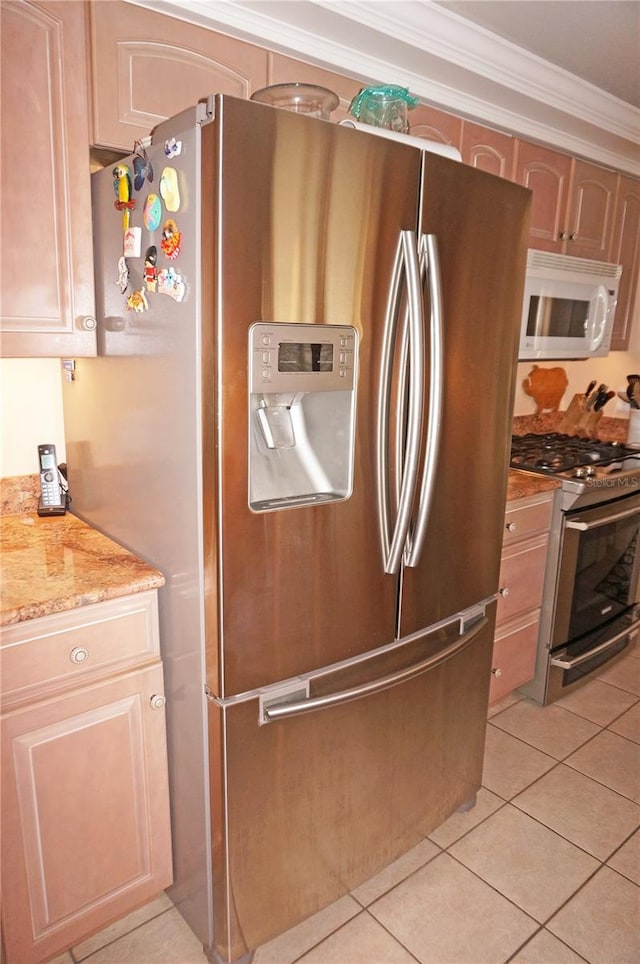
{"x":564,"y":262}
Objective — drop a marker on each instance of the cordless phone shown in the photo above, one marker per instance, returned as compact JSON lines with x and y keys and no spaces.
{"x":53,"y":499}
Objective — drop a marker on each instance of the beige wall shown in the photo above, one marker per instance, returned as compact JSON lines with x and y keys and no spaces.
{"x":30,"y":412}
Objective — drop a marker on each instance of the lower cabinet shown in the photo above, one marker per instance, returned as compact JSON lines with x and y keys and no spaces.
{"x":524,"y":556}
{"x":85,"y":806}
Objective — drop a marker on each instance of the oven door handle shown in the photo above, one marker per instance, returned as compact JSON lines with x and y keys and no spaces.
{"x":605,"y":520}
{"x":584,"y":657}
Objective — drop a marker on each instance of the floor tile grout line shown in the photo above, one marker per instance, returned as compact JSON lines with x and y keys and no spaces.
{"x":540,"y":930}
{"x":79,"y":960}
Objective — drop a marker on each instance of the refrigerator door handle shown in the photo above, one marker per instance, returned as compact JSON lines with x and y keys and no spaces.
{"x":430,"y":266}
{"x":283,"y":710}
{"x":407,"y":259}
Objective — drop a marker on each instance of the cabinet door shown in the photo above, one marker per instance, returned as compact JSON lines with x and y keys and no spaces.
{"x":85,"y":813}
{"x":625,"y":250}
{"x":47,"y":304}
{"x":546,"y":173}
{"x":435,"y":125}
{"x":487,"y":150}
{"x":147,"y":67}
{"x":592,"y":200}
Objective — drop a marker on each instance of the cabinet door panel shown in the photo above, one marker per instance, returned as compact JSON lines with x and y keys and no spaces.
{"x":84,"y":813}
{"x":435,"y":125}
{"x":487,"y":150}
{"x":625,"y":250}
{"x":546,"y":173}
{"x":148,"y":67}
{"x":591,"y":205}
{"x":45,"y":219}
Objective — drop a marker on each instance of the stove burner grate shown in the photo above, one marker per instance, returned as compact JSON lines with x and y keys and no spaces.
{"x":554,"y":452}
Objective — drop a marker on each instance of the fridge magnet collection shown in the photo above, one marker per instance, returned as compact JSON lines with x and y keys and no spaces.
{"x":156,"y":280}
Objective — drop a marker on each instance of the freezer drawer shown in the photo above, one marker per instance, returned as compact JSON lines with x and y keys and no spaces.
{"x":312,"y":805}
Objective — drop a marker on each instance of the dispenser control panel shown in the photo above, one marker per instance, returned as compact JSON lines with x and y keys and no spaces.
{"x":301,"y":358}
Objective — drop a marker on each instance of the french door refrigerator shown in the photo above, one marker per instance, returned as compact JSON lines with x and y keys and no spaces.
{"x":303,"y":419}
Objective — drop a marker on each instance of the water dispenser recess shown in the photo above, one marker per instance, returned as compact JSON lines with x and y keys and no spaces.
{"x":302,"y":406}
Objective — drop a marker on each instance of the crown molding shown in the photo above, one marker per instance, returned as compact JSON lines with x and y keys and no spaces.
{"x":443,"y":58}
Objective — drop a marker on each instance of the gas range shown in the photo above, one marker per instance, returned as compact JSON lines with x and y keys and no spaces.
{"x":589,"y":470}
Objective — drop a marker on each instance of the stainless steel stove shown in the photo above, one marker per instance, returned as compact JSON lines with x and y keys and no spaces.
{"x":591,"y":606}
{"x":590,"y":471}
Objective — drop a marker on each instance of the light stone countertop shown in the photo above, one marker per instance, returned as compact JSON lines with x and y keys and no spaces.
{"x":54,"y":564}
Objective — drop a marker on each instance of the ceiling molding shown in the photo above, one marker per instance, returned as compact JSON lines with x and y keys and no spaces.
{"x":443,"y":58}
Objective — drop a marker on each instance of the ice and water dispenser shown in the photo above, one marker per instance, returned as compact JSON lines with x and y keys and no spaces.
{"x":302,"y":385}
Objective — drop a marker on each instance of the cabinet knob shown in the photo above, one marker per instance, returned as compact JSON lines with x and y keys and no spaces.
{"x":79,"y":654}
{"x":504,"y":591}
{"x":88,"y":323}
{"x":157,"y":701}
{"x":511,"y":526}
{"x":564,"y":235}
{"x":573,"y":237}
{"x":497,"y":672}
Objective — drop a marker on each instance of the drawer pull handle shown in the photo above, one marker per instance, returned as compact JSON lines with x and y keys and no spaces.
{"x":504,"y":592}
{"x":157,"y":701}
{"x":79,"y":654}
{"x":511,"y":526}
{"x":497,"y":672}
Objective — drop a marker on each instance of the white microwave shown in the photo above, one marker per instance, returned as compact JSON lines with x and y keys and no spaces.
{"x":569,"y":306}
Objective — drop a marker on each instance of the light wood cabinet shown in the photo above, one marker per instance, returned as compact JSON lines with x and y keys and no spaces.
{"x":573,"y":203}
{"x":547,"y":174}
{"x":625,"y":250}
{"x":488,"y":150}
{"x":589,"y":220}
{"x":47,"y":300}
{"x":147,"y":67}
{"x":85,"y":807}
{"x":521,"y":583}
{"x":435,"y":125}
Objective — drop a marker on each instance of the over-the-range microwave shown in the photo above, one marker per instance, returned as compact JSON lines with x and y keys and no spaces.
{"x":569,"y":306}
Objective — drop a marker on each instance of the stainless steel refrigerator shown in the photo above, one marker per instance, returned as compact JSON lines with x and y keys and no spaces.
{"x":302,"y":417}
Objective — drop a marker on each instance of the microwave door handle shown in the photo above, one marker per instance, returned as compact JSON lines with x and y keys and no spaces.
{"x":407,"y":257}
{"x":598,"y":310}
{"x":430,"y":263}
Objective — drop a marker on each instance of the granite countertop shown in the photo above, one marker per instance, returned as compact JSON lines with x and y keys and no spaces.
{"x":522,"y":484}
{"x":60,"y":563}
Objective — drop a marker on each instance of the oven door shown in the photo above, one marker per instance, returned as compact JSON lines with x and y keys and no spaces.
{"x":596,"y":612}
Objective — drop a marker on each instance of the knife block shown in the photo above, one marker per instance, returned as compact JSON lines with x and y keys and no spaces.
{"x":578,"y":420}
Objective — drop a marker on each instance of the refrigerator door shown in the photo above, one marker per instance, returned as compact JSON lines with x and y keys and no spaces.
{"x":473,"y":231}
{"x":301,"y":224}
{"x":314,"y":803}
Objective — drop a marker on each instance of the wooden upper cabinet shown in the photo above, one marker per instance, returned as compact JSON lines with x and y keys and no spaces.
{"x":487,"y":149}
{"x":435,"y":125}
{"x":147,"y":67}
{"x":625,"y":250}
{"x":547,"y":174}
{"x":46,"y":300}
{"x":589,"y":223}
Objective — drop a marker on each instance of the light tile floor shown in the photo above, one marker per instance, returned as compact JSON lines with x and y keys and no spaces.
{"x":544,"y":870}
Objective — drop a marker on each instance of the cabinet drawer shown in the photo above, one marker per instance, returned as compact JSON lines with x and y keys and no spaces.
{"x":522,"y":521}
{"x":514,"y":655}
{"x":43,"y":656}
{"x":521,"y":577}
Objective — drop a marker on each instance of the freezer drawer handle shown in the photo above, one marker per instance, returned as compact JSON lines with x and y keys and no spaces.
{"x":407,"y":258}
{"x":430,"y":266}
{"x":563,"y":663}
{"x":284,"y":710}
